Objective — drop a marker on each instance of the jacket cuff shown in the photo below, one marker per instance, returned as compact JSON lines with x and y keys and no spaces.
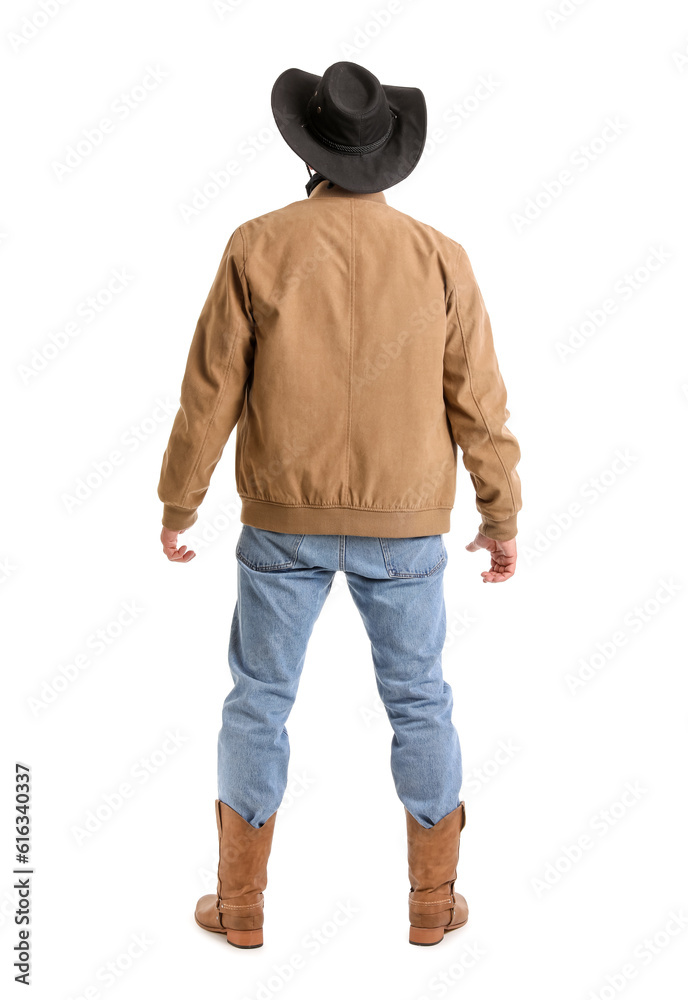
{"x":178,"y":518}
{"x":501,"y":531}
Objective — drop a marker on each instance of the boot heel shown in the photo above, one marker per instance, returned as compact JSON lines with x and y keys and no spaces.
{"x":246,"y":939}
{"x":425,"y":935}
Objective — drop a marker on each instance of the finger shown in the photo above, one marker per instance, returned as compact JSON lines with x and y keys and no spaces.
{"x":180,"y":556}
{"x":503,"y":566}
{"x":508,"y":566}
{"x":496,"y":577}
{"x":172,"y":553}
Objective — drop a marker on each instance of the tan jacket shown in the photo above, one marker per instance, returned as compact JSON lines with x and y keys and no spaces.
{"x":350,"y":345}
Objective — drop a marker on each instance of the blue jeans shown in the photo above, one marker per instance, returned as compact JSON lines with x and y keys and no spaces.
{"x":397,"y":586}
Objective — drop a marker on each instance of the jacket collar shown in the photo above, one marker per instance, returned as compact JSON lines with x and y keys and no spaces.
{"x":323,"y":191}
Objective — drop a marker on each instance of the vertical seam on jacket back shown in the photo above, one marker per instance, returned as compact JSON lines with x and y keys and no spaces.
{"x":352,"y":278}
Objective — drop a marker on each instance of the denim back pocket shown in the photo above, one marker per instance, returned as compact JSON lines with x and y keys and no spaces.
{"x":411,"y":557}
{"x":267,"y":551}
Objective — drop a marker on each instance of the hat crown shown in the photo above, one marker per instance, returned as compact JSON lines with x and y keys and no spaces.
{"x":349,"y":106}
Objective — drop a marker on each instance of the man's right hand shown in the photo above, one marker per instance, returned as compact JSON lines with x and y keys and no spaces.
{"x":503,"y":561}
{"x":169,"y":546}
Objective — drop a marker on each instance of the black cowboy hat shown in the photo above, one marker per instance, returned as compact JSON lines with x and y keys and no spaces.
{"x":352,"y":129}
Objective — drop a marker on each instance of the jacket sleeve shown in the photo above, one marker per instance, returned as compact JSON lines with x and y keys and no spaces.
{"x":219,"y":363}
{"x":475,"y":399}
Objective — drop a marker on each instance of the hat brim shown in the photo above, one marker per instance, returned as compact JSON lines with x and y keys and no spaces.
{"x":365,"y":173}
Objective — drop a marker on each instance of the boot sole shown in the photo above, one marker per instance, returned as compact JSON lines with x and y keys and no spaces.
{"x":240,"y":939}
{"x":246,"y":939}
{"x":426,"y":936}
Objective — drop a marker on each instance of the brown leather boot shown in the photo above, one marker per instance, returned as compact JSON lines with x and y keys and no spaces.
{"x":237,"y":908}
{"x":433,"y":855}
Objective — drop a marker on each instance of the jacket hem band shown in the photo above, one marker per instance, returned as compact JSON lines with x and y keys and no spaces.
{"x":344,"y":520}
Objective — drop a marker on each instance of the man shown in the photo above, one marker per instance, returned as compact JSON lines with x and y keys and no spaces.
{"x":350,"y":345}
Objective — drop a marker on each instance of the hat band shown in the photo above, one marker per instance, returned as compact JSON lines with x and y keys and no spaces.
{"x":341,"y":147}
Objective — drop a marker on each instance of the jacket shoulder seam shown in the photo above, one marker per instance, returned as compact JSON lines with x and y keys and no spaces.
{"x":243,"y":249}
{"x":455,"y":270}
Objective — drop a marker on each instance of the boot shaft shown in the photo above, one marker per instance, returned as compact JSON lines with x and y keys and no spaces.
{"x":242,"y":872}
{"x":433,"y":856}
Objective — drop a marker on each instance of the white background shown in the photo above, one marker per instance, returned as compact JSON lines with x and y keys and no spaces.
{"x":540,"y":925}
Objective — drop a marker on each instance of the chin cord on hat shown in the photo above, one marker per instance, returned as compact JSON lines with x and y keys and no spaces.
{"x":315,"y":179}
